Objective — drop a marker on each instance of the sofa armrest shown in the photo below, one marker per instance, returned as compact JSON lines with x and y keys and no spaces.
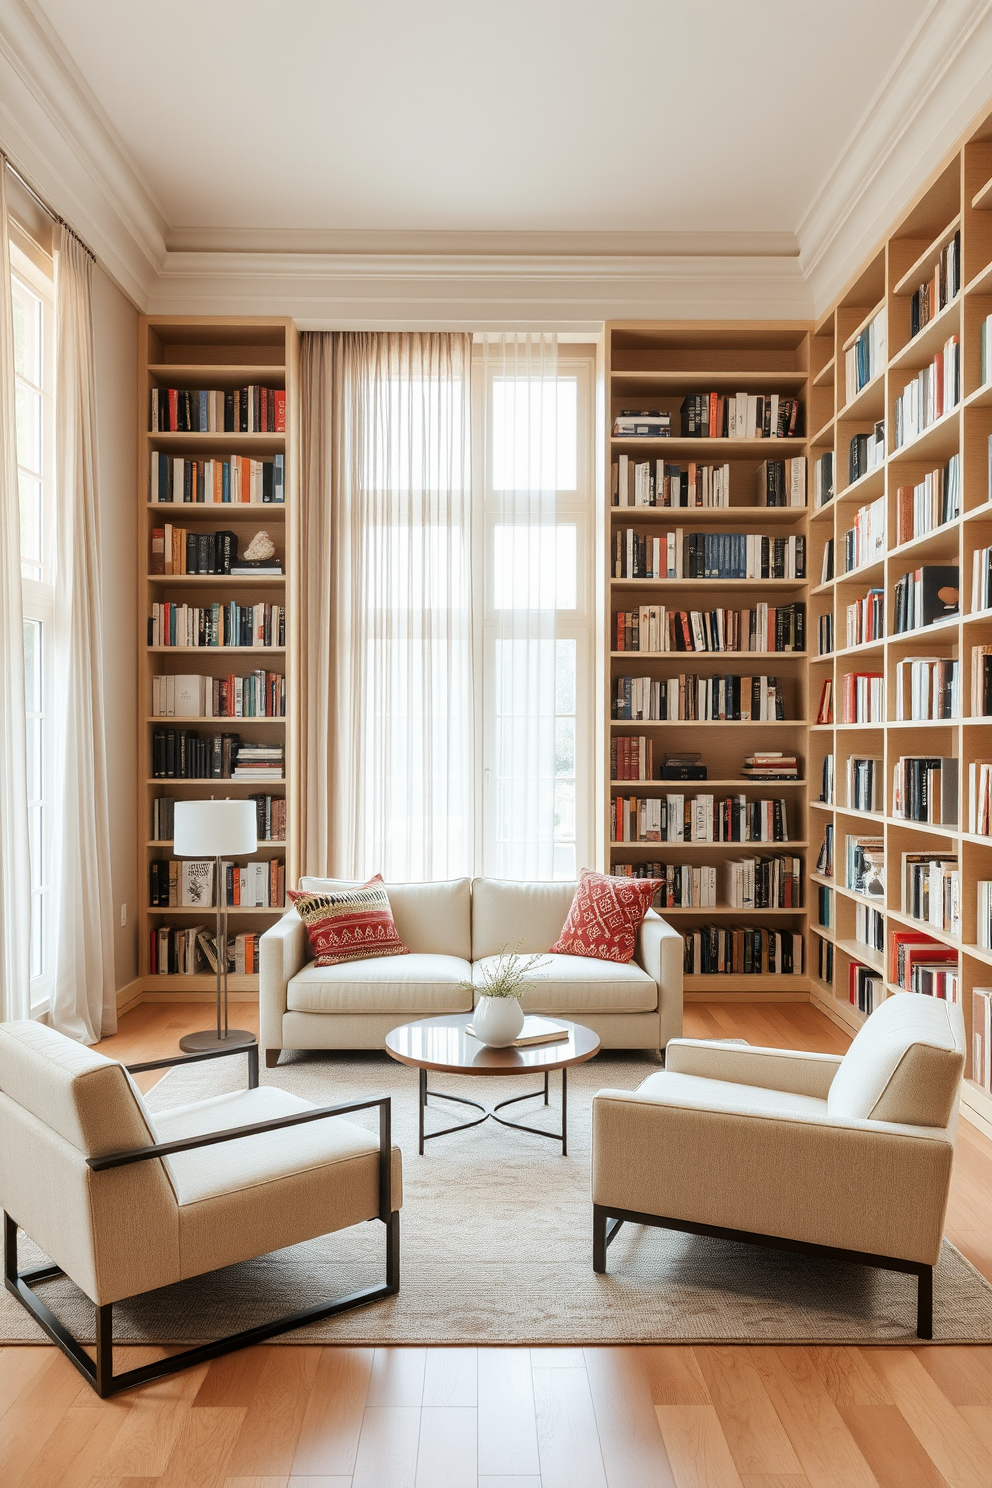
{"x":858,"y":1185}
{"x":282,"y":951}
{"x":659,"y":952}
{"x":770,"y":1069}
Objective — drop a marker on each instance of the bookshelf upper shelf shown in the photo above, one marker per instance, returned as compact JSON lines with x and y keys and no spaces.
{"x":910,"y":281}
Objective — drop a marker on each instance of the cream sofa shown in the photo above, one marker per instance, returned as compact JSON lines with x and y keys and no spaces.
{"x":809,"y":1152}
{"x":452,"y":929}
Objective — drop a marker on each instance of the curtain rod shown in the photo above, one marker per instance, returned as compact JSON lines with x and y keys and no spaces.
{"x":55,"y":216}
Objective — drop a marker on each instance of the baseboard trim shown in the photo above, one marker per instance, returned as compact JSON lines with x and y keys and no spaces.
{"x":153,"y":995}
{"x":129,"y":996}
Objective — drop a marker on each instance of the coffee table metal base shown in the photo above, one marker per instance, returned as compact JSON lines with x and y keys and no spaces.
{"x":490,"y":1114}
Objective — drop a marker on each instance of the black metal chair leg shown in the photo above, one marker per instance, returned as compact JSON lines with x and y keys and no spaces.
{"x":924,"y":1303}
{"x":599,"y":1221}
{"x":105,"y":1350}
{"x":393,"y":1252}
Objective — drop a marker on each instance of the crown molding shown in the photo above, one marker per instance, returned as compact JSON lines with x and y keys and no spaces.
{"x":941,"y":79}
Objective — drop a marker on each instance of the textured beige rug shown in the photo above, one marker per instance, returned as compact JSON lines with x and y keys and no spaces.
{"x":496,"y":1247}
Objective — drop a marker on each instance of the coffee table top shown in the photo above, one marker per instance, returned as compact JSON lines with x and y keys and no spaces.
{"x":443,"y":1044}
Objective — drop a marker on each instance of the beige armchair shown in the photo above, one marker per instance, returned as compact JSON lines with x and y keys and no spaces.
{"x":124,"y":1201}
{"x":807,"y":1152}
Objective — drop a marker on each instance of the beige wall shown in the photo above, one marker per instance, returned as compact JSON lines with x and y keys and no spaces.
{"x":115,"y":328}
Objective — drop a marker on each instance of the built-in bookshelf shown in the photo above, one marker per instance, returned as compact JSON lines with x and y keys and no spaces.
{"x":931,"y":486}
{"x":729,"y":513}
{"x":216,"y":410}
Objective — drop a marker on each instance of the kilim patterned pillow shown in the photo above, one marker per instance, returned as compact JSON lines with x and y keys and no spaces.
{"x":605,"y":916}
{"x":349,"y":924}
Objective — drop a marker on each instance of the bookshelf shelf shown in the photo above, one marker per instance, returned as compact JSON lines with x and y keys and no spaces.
{"x":275,"y":511}
{"x":911,"y":279}
{"x":215,"y":650}
{"x":176,"y":374}
{"x":631,"y":383}
{"x":825,"y":376}
{"x":725,"y":449}
{"x":680,"y":515}
{"x":748,"y":848}
{"x":659,"y":787}
{"x":223,"y":581}
{"x":922,"y":347}
{"x":868,"y":403}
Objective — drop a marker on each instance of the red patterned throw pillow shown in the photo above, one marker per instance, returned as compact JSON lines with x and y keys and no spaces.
{"x":349,"y":924}
{"x":605,"y":916}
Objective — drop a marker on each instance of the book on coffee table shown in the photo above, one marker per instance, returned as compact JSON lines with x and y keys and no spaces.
{"x":534,"y":1031}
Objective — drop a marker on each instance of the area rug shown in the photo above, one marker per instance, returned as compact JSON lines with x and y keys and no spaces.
{"x":496,"y":1247}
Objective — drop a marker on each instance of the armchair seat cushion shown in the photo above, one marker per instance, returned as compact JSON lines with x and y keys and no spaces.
{"x":726,"y":1096}
{"x":572,"y":985}
{"x":420,"y":984}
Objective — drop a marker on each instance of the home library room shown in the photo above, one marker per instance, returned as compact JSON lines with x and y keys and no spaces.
{"x":216,"y":404}
{"x":901,"y":617}
{"x":707,"y":697}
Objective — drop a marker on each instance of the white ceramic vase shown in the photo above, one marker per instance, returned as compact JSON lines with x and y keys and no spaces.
{"x":497,"y":1021}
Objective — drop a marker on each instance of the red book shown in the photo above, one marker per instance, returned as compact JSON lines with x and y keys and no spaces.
{"x":173,"y":423}
{"x":280,"y":408}
{"x":156,"y":563}
{"x":714,"y":431}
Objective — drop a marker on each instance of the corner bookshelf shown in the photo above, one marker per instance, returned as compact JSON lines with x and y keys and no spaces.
{"x":223,"y":355}
{"x":956,"y":200}
{"x":655,"y":366}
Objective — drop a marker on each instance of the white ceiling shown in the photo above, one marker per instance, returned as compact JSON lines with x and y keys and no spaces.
{"x":524,"y":115}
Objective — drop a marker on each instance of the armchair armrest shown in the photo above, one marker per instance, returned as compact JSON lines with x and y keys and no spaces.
{"x":769,"y":1069}
{"x":173,"y":1059}
{"x":282,"y":952}
{"x":659,"y":952}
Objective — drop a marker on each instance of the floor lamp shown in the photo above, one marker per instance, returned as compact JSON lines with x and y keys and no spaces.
{"x":216,"y":829}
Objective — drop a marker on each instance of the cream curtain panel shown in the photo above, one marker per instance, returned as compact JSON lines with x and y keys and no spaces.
{"x":83,"y":1001}
{"x":388,"y":711}
{"x":15,"y":878}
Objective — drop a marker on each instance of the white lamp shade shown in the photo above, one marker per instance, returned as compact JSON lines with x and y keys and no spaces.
{"x":214,"y":829}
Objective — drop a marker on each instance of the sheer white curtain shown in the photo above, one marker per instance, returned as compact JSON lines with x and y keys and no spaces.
{"x":401,"y":797}
{"x":83,"y":1002}
{"x":15,"y":878}
{"x":528,"y":667}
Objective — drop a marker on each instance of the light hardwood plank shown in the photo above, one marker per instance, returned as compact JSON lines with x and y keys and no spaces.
{"x":318,"y":1482}
{"x":557,"y":1358}
{"x":268,"y":1482}
{"x":397,"y":1377}
{"x":233,"y":1379}
{"x":697,"y":1447}
{"x":204,"y":1447}
{"x":964,"y":1375}
{"x":979,"y":1418}
{"x":335,"y":1407}
{"x":448,"y":1455}
{"x":629,"y":1437}
{"x":387,"y":1450}
{"x":567,"y":1440}
{"x":774,"y":1480}
{"x":25,"y":1432}
{"x":945,"y":1434}
{"x":266,"y":1443}
{"x":516,"y":1482}
{"x":20,"y":1367}
{"x":825,"y":1448}
{"x":75,"y":1451}
{"x":674,"y":1376}
{"x":155,"y":1418}
{"x":507,"y":1417}
{"x":849,"y":1378}
{"x":757,"y":1439}
{"x":889,"y":1447}
{"x":451,"y":1377}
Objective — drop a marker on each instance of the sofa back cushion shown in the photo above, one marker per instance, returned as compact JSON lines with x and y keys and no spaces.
{"x":505,"y":912}
{"x":430,"y":917}
{"x":905,"y":1064}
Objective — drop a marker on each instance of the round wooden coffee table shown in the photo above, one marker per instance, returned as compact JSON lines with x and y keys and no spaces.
{"x":442,"y":1044}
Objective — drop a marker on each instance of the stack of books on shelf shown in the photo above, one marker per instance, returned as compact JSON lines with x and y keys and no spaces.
{"x":247,"y":410}
{"x":865,"y":542}
{"x":862,"y":859}
{"x":865,"y":359}
{"x":661,"y":483}
{"x":926,"y":596}
{"x":918,"y":963}
{"x":740,"y":416}
{"x":781,"y":482}
{"x":865,"y":783}
{"x":683,"y":885}
{"x":928,"y":688}
{"x":825,"y":635}
{"x":766,"y":628}
{"x":823,"y":480}
{"x":260,"y":762}
{"x":235,"y":481}
{"x":932,"y":393}
{"x":218,"y":625}
{"x":981,"y":579}
{"x":702,"y":818}
{"x":980,"y":797}
{"x":827,"y":780}
{"x":864,"y":697}
{"x":981,"y":682}
{"x":981,"y":1038}
{"x":869,"y":926}
{"x":865,"y":452}
{"x":188,"y":883}
{"x":866,"y":618}
{"x":825,"y":857}
{"x":744,"y":950}
{"x":984,"y":920}
{"x":932,"y":889}
{"x":764,"y":883}
{"x":923,"y":508}
{"x":937,"y":292}
{"x":824,"y":960}
{"x":866,"y":987}
{"x":179,"y":550}
{"x":181,"y":952}
{"x":631,"y":757}
{"x":925,"y":789}
{"x":770,"y":764}
{"x":647,"y":423}
{"x":707,"y":555}
{"x":691,"y":698}
{"x":185,"y":695}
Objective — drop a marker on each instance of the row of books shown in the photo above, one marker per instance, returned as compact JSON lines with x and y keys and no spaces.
{"x":869,"y":926}
{"x":981,"y":682}
{"x":937,"y":292}
{"x":179,"y":550}
{"x":270,"y":818}
{"x":183,"y":754}
{"x":930,"y":504}
{"x":925,"y":789}
{"x":866,"y":618}
{"x":866,"y":987}
{"x":693,"y":698}
{"x":741,"y":950}
{"x":740,"y":416}
{"x":631,"y":757}
{"x":824,"y":960}
{"x":865,"y":783}
{"x":823,"y":479}
{"x":933,"y":392}
{"x":185,"y":951}
{"x":233,"y":482}
{"x":661,"y":483}
{"x":864,"y":865}
{"x":188,"y":883}
{"x":707,"y":555}
{"x":259,"y":762}
{"x":980,"y":797}
{"x":188,"y":695}
{"x":248,"y":410}
{"x":702,"y":818}
{"x":866,"y":357}
{"x":866,"y":452}
{"x":825,"y":634}
{"x":652,"y":628}
{"x":685,"y":885}
{"x":863,"y":695}
{"x":764,"y":883}
{"x":928,"y":687}
{"x":827,"y":780}
{"x":217,"y":624}
{"x":926,"y":596}
{"x":932,"y":890}
{"x":983,"y":923}
{"x":865,"y":542}
{"x":824,"y":906}
{"x":981,"y":579}
{"x":646,"y":423}
{"x":981,"y":1036}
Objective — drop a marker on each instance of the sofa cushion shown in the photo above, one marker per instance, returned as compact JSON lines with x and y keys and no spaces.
{"x":725,"y":1095}
{"x":504,"y":912}
{"x":905,"y":1063}
{"x":572,"y":985}
{"x":430,"y":917}
{"x":415,"y":986}
{"x":349,"y":924}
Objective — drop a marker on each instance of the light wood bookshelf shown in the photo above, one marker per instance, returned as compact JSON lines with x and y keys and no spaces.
{"x":213,"y":352}
{"x":956,"y":198}
{"x":655,"y":365}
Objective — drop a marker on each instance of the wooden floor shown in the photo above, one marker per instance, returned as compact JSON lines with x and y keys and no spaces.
{"x":712,"y":1417}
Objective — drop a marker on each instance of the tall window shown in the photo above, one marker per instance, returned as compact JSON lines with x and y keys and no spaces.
{"x":34,"y":366}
